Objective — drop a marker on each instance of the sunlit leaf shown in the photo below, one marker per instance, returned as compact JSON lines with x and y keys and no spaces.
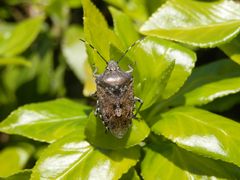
{"x":166,"y":160}
{"x":202,"y":132}
{"x":20,"y":38}
{"x":161,"y":69}
{"x":195,"y":22}
{"x":72,"y":157}
{"x":204,"y":76}
{"x":97,"y":135}
{"x":211,"y":91}
{"x":13,"y":159}
{"x":47,"y":121}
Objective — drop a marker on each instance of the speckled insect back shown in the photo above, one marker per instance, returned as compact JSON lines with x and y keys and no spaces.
{"x":115,"y":97}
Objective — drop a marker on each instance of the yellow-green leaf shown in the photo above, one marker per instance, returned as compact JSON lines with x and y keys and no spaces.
{"x":198,"y":23}
{"x":20,"y":37}
{"x":47,"y":121}
{"x":74,"y":158}
{"x":201,"y":132}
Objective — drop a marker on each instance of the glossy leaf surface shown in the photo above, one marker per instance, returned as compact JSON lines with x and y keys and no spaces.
{"x":21,"y":36}
{"x":211,"y":91}
{"x":166,"y":160}
{"x":195,"y":22}
{"x":13,"y":159}
{"x":96,"y":135}
{"x":47,"y":121}
{"x":161,"y":69}
{"x":72,"y":157}
{"x":210,"y":75}
{"x":201,"y":132}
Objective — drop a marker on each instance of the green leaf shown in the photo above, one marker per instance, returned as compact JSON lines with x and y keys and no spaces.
{"x":123,"y":26}
{"x":47,"y":121}
{"x":195,"y":22}
{"x":72,"y":157}
{"x":207,"y":93}
{"x":98,"y":34}
{"x":14,"y":61}
{"x":232,"y":49}
{"x":21,"y":175}
{"x":21,"y":37}
{"x":76,"y":57}
{"x":202,"y":132}
{"x":95,"y":133}
{"x":205,"y":76}
{"x":165,"y":160}
{"x":13,"y":159}
{"x":161,"y":69}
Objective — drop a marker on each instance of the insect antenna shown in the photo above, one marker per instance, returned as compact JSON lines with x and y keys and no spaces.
{"x":91,"y":46}
{"x":128,"y":49}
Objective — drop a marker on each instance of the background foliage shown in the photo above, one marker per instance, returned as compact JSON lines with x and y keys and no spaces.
{"x":186,"y":70}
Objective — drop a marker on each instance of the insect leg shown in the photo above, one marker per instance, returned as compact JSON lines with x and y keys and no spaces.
{"x":97,"y":109}
{"x":95,"y":71}
{"x":130,"y":69}
{"x":136,"y":99}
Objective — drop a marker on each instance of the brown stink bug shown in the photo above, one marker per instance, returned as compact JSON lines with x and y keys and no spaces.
{"x":115,"y":97}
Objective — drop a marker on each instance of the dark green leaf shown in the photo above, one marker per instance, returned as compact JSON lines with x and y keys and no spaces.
{"x":72,"y":157}
{"x":95,"y":133}
{"x":130,"y":175}
{"x":47,"y":121}
{"x":202,"y":132}
{"x":223,"y":104}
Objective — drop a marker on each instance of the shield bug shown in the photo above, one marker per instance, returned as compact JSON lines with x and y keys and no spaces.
{"x":115,"y":96}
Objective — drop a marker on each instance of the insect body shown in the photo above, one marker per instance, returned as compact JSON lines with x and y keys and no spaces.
{"x":115,"y":98}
